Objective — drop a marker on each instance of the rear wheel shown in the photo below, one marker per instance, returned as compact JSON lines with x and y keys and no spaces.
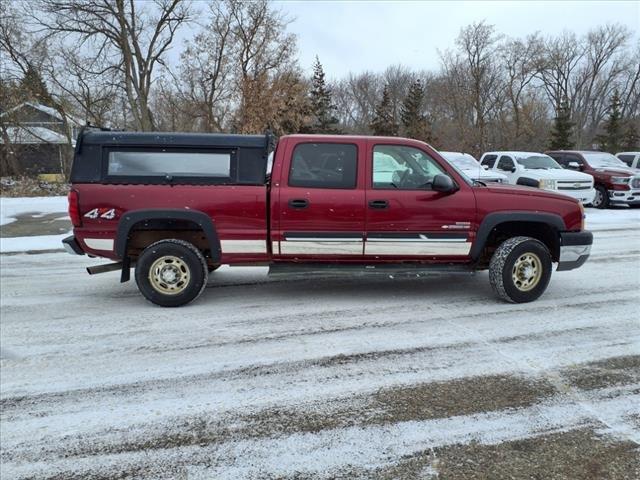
{"x":601,"y":200}
{"x":520,"y":269}
{"x":171,"y":273}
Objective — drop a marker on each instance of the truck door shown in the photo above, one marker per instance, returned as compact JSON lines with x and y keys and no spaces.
{"x":320,"y":209}
{"x":406,"y":219}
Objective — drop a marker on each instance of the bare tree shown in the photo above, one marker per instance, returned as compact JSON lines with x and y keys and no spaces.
{"x":597,"y":78}
{"x":205,"y":81}
{"x":131,"y":37}
{"x":264,"y":52}
{"x":520,"y":58}
{"x":478,"y":47}
{"x":356,"y":97}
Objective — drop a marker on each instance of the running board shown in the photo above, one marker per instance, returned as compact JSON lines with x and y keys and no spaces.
{"x":329,"y":269}
{"x":109,"y":267}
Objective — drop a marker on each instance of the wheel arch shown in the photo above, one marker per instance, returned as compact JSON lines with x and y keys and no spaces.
{"x":131,"y":219}
{"x":545,"y":227}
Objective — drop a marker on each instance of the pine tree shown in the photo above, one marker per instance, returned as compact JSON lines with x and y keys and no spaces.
{"x":611,"y":141}
{"x":631,"y":137}
{"x":383,"y":123}
{"x":322,"y":107}
{"x":415,"y":123}
{"x":562,"y":128}
{"x":34,"y":88}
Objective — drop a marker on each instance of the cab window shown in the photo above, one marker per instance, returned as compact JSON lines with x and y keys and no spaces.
{"x":489,"y":160}
{"x":505,"y":163}
{"x":324,"y":165}
{"x":404,"y":168}
{"x":628,"y":159}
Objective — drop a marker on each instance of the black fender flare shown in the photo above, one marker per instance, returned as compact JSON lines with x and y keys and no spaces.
{"x":492,"y":220}
{"x":129,"y":219}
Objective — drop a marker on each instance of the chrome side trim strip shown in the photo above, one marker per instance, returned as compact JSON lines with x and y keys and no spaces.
{"x":408,"y":248}
{"x":321,"y":239}
{"x":99,"y":243}
{"x":422,"y":239}
{"x":243,"y":246}
{"x":309,"y":246}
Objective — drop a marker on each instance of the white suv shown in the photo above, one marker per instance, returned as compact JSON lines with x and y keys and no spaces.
{"x":472,"y":168}
{"x":534,"y":169}
{"x":630,"y":158}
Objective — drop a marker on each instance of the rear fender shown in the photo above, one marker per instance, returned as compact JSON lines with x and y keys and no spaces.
{"x":131,"y":218}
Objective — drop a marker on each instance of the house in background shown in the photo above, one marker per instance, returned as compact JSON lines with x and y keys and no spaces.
{"x":36,"y":139}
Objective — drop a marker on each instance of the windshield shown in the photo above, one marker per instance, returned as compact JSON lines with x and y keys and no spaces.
{"x":603,"y":160}
{"x":538,"y":162}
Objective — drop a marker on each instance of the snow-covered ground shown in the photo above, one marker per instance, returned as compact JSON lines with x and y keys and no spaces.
{"x":11,"y":208}
{"x":361,"y":378}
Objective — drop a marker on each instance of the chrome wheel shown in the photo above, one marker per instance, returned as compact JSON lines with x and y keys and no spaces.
{"x":597,"y":201}
{"x":526,"y":272}
{"x":169,"y":275}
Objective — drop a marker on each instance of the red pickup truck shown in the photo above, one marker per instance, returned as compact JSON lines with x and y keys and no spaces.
{"x":176,"y":206}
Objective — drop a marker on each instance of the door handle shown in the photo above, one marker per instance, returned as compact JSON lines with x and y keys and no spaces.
{"x":299,"y":203}
{"x":380,"y":204}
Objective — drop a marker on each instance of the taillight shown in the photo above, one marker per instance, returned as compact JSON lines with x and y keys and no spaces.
{"x":74,"y":208}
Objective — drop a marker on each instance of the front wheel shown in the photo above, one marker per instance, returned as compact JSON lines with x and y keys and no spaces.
{"x":601,"y":200}
{"x":171,"y":273}
{"x":520,"y":269}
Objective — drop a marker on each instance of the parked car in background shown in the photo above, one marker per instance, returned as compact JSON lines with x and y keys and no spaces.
{"x":632,"y":159}
{"x":472,"y":168}
{"x":615,"y":182}
{"x":534,"y":169}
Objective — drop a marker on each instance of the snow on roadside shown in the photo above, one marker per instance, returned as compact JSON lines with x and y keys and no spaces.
{"x":619,"y":218}
{"x":10,"y":208}
{"x":32,"y":244}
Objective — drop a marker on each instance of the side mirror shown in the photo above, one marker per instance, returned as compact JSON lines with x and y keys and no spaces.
{"x":443,"y":183}
{"x":486,"y":167}
{"x":513,"y":170}
{"x":574,"y":165}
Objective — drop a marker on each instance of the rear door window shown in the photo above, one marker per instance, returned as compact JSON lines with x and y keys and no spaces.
{"x":324,"y":165}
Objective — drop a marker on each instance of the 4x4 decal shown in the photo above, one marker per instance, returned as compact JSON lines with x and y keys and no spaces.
{"x":106,"y":213}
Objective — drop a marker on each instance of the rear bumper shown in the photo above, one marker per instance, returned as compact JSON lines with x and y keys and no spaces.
{"x":72,"y":246}
{"x":575,"y":248}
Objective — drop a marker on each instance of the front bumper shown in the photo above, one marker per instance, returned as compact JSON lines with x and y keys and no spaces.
{"x":575,"y":248}
{"x":72,"y":246}
{"x":625,"y":197}
{"x":585,"y":197}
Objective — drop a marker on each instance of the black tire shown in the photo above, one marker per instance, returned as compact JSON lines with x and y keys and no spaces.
{"x":601,"y":199}
{"x":178,"y":259}
{"x":510,"y":260}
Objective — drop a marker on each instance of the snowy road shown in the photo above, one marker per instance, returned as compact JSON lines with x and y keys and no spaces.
{"x":366,"y":378}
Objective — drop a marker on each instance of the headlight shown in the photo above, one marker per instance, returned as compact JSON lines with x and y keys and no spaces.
{"x":548,"y":184}
{"x":620,"y":180}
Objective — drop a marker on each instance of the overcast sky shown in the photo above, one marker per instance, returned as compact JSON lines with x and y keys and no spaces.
{"x":367,"y":35}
